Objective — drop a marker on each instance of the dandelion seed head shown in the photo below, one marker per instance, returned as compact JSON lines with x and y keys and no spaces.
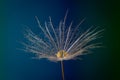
{"x":62,"y":42}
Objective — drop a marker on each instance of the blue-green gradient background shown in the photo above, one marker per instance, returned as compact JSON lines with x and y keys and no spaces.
{"x":15,"y":64}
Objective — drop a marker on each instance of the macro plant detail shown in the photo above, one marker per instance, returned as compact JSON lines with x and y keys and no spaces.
{"x":62,"y":42}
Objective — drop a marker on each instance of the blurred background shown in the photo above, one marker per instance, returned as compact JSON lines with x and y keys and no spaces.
{"x":15,"y":64}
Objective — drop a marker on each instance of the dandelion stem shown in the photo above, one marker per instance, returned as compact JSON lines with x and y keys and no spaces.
{"x":62,"y":68}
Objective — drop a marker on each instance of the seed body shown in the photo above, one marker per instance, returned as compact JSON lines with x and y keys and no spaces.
{"x":61,"y":54}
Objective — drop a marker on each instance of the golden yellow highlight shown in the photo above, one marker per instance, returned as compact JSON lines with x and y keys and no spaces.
{"x":61,"y":54}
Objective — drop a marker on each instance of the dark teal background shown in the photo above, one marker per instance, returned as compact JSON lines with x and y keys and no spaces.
{"x":15,"y":64}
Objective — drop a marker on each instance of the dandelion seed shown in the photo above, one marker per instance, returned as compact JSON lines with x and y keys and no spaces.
{"x":62,"y":42}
